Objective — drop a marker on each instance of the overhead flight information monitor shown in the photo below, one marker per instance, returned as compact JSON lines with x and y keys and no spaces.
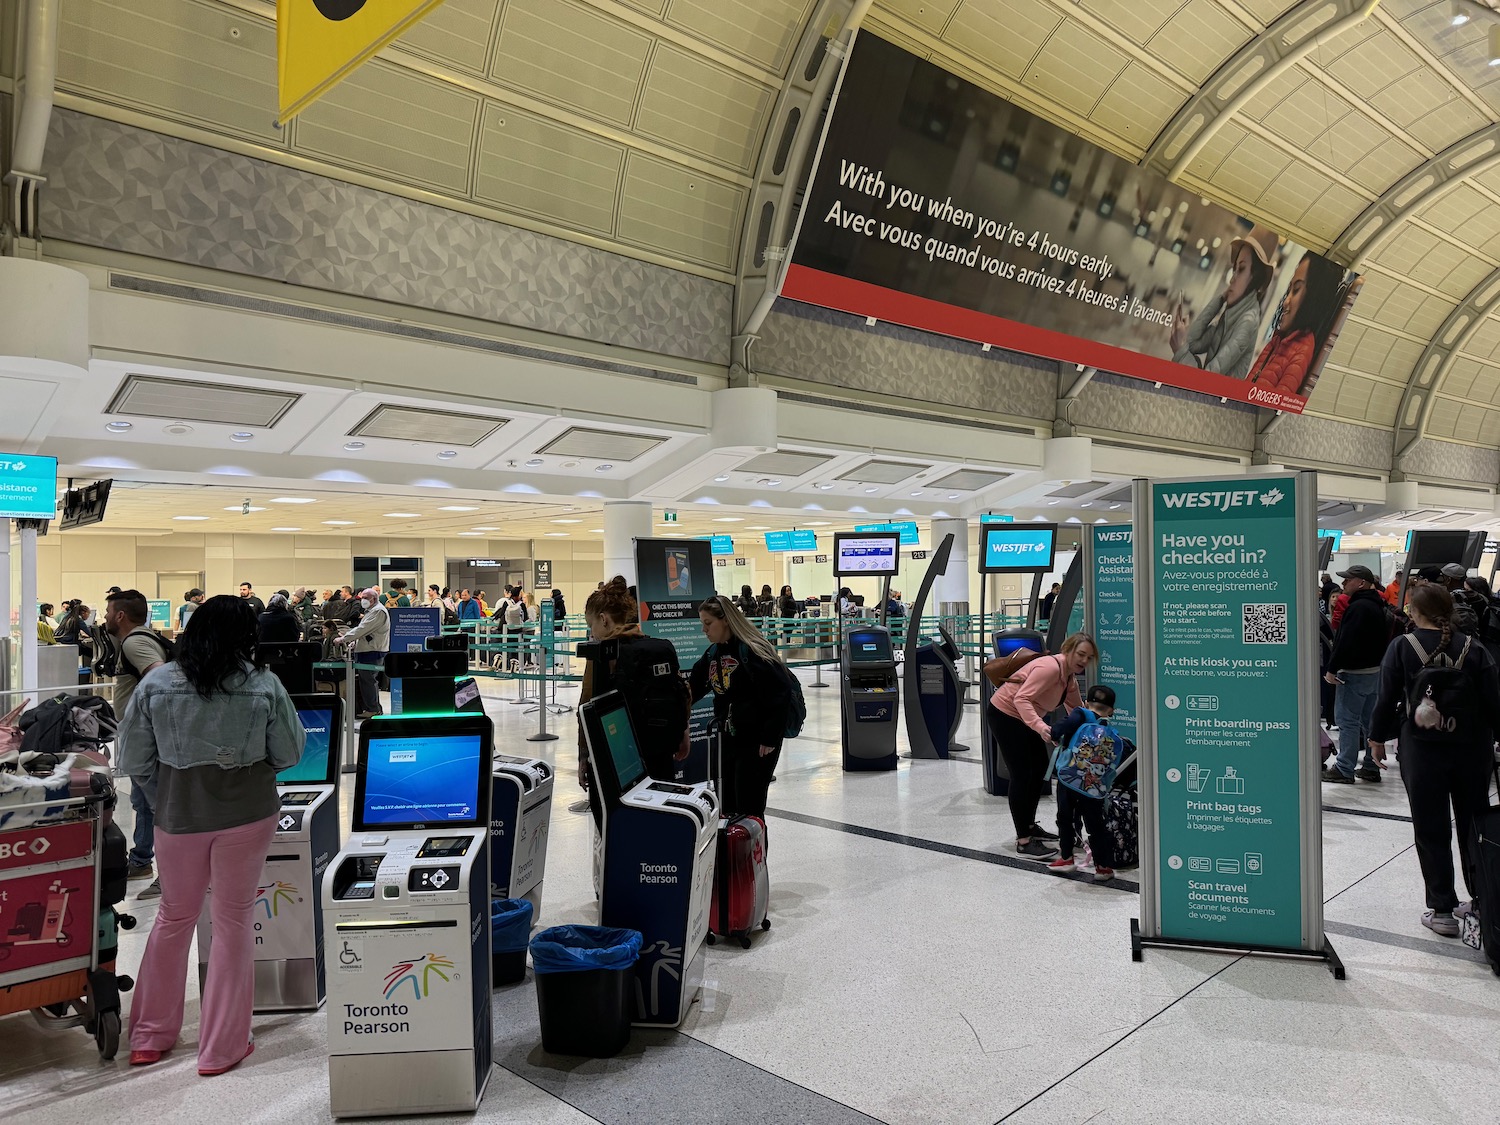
{"x":427,"y":779}
{"x":866,"y":555}
{"x":1017,"y":549}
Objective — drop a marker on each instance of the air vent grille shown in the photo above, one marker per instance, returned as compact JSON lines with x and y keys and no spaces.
{"x":601,"y":445}
{"x":183,"y":400}
{"x":969,"y":480}
{"x":1122,"y":495}
{"x":408,"y":423}
{"x":785,"y":463}
{"x":883,"y":472}
{"x":1079,"y":488}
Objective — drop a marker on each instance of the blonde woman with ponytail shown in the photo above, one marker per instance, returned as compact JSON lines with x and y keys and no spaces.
{"x":1445,"y":759}
{"x":751,"y":698}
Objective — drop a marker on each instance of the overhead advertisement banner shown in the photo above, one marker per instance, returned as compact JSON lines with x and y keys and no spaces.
{"x":1109,"y":587}
{"x":939,"y":205}
{"x":1230,"y":801}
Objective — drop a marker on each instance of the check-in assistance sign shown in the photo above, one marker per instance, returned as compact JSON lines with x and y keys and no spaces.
{"x":28,"y":487}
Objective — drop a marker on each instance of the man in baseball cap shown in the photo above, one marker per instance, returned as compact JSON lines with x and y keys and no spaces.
{"x":1359,"y":643}
{"x":1454,"y":575}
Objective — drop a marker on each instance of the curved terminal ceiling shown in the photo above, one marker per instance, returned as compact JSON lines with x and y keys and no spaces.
{"x":637,"y":125}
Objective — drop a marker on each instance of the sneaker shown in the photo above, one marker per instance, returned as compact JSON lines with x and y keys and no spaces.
{"x":153,"y":891}
{"x":1103,"y":874}
{"x":1368,"y":773}
{"x":1332,"y":774}
{"x":1441,"y":922}
{"x":1040,"y":833}
{"x":138,"y":871}
{"x":1062,"y":864}
{"x":1036,"y":849}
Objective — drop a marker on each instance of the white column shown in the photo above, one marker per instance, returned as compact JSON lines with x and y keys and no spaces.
{"x":11,"y":657}
{"x":27,"y":610}
{"x":952,"y":586}
{"x":625,"y":521}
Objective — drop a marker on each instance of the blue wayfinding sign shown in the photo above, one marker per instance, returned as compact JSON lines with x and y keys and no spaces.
{"x":990,"y":517}
{"x":1336,"y":536}
{"x":721,"y":544}
{"x":28,"y":487}
{"x":805,"y":540}
{"x":907,"y":529}
{"x":1111,"y":615}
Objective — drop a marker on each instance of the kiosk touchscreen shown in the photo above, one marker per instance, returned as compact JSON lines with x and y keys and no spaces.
{"x":406,"y":907}
{"x":289,"y":950}
{"x":657,"y":863}
{"x":870,"y":697}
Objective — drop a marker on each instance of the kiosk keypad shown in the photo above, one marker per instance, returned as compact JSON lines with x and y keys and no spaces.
{"x":433,"y":878}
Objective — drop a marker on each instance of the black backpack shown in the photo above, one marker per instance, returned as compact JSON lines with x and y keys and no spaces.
{"x":647,"y":674}
{"x":1442,"y":702}
{"x":52,"y":728}
{"x":112,"y":661}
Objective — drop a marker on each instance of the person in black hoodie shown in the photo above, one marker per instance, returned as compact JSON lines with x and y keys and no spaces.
{"x":1359,"y":643}
{"x":1445,"y":760}
{"x":278,"y":622}
{"x":751,"y":697}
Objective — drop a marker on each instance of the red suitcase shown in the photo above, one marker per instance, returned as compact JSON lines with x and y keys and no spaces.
{"x":742,"y":884}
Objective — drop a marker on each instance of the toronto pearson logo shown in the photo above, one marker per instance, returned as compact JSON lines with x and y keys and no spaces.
{"x":418,"y":971}
{"x":270,"y":897}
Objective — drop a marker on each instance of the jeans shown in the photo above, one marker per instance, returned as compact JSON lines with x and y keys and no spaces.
{"x":143,"y":801}
{"x":230,"y":859}
{"x":1354,"y":707}
{"x":367,"y":666}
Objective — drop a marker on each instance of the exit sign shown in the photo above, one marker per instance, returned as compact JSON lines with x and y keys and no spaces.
{"x":669,"y":516}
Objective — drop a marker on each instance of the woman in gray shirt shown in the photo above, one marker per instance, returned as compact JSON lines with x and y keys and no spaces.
{"x":211,"y":728}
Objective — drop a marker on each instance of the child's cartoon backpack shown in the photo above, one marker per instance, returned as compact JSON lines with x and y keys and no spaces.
{"x":1087,"y":764}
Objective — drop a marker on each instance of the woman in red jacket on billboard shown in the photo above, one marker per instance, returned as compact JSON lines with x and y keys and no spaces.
{"x":1302,"y":325}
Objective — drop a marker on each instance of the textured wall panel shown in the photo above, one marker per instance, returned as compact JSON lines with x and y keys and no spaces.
{"x":1115,"y":404}
{"x":1444,"y":460}
{"x":820,"y":346}
{"x":143,"y":193}
{"x":1302,"y":438}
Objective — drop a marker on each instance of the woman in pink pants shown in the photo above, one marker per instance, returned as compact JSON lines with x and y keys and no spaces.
{"x":212,"y":727}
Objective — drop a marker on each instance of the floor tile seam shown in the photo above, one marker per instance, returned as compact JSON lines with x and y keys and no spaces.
{"x":1379,"y":867}
{"x":555,"y":1097}
{"x":1104,"y":1051}
{"x":959,"y":851}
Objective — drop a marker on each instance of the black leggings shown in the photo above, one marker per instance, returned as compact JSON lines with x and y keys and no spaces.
{"x":1026,"y":758}
{"x":747,"y":778}
{"x":1070,"y":806}
{"x":1437,"y":778}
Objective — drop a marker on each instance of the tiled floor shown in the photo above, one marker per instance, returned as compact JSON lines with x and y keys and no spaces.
{"x":918,"y":973}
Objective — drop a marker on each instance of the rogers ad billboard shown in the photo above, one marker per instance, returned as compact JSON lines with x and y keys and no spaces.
{"x":941,"y":206}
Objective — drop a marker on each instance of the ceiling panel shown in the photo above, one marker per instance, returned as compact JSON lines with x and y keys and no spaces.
{"x":702,"y":107}
{"x":456,"y":33}
{"x":930,"y":15}
{"x":679,"y":210}
{"x":763,"y":32}
{"x":1005,"y":34}
{"x":1198,"y":38}
{"x":545,"y":44}
{"x":194,"y":60}
{"x":1486,"y":340}
{"x":549,"y":170}
{"x":1137,"y":21}
{"x":1074,"y":68}
{"x":1138,"y":105}
{"x":1368,"y":59}
{"x":396,"y":123}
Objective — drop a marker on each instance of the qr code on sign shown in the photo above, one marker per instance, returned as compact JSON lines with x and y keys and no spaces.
{"x":1265,"y":624}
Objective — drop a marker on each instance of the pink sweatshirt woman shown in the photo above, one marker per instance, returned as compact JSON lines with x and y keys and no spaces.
{"x":1044,"y":686}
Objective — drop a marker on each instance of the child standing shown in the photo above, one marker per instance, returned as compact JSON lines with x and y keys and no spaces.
{"x":1087,"y":757}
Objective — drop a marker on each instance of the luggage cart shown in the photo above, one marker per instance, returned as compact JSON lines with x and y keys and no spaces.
{"x":58,"y":923}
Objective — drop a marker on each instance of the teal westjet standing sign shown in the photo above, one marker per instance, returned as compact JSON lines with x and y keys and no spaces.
{"x":1109,"y":586}
{"x":1230,"y":797}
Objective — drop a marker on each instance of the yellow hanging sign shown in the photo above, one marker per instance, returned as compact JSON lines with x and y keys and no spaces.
{"x":321,"y":42}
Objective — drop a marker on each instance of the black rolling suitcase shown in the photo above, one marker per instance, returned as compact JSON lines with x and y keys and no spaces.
{"x":1481,"y":928}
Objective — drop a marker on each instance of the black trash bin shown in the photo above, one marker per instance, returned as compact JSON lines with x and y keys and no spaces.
{"x":584,"y":994}
{"x":510,"y":933}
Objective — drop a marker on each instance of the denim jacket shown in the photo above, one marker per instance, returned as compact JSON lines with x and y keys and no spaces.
{"x":253,"y":720}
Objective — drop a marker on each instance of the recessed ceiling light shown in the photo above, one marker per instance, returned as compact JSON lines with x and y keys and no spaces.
{"x":872,"y":489}
{"x":447,"y":455}
{"x":567,"y":521}
{"x":468,"y":534}
{"x":1053,"y":503}
{"x":729,"y":519}
{"x":603,"y":468}
{"x":825,"y":486}
{"x":596,"y":531}
{"x":293,"y":500}
{"x":1114,"y":507}
{"x":952,"y":496}
{"x":486,"y":529}
{"x":338,"y":523}
{"x":459,"y":508}
{"x":1100,"y":520}
{"x":773,"y":482}
{"x":759,"y":527}
{"x":403,"y":515}
{"x":815,"y":523}
{"x":721,"y":478}
{"x":534,"y":462}
{"x":193,"y":518}
{"x":242,"y":508}
{"x":286,"y":529}
{"x":557,"y":535}
{"x":351,"y":446}
{"x":918,"y":492}
{"x":241,"y":435}
{"x":565,"y":464}
{"x":117,"y":426}
{"x":180,"y":428}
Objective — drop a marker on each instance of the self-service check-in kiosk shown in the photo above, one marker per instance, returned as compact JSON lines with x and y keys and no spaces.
{"x":520,"y":814}
{"x":867,"y":675}
{"x":406,"y":909}
{"x":657,"y":863}
{"x":434,"y":680}
{"x":939,"y":690}
{"x":289,"y":941}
